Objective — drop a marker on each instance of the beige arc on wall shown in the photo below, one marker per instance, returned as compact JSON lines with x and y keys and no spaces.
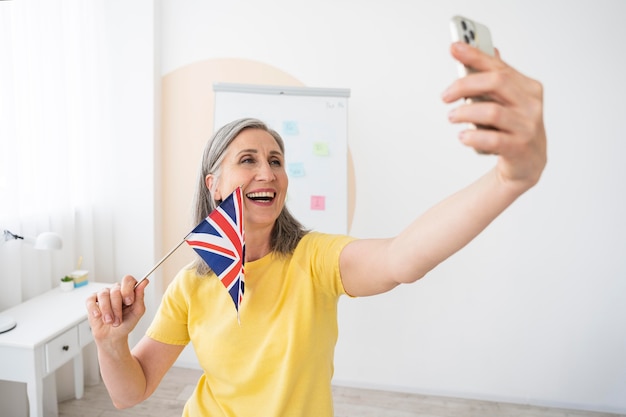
{"x":187,"y":123}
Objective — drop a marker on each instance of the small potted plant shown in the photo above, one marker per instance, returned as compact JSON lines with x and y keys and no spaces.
{"x":67,"y":283}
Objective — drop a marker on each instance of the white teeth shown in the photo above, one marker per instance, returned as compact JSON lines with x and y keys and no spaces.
{"x":263,"y":194}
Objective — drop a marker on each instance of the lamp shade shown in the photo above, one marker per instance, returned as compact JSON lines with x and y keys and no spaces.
{"x":45,"y":241}
{"x":48,"y":241}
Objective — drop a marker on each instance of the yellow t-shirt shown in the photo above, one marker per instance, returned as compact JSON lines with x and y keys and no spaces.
{"x":279,"y":360}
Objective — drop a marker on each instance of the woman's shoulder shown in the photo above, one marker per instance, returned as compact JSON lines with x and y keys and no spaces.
{"x":186,"y":281}
{"x":321,"y":240}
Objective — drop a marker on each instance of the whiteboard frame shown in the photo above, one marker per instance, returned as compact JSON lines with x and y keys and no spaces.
{"x":280,"y":90}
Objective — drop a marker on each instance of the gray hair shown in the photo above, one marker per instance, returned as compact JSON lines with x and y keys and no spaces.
{"x":287,"y":231}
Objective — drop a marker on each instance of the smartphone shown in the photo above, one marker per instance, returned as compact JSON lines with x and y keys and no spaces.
{"x":477,"y":35}
{"x":472,"y":33}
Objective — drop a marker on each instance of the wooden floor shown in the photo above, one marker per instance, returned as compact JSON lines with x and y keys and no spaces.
{"x":170,"y":397}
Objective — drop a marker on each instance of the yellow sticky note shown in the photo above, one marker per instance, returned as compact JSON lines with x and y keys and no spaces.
{"x":320,"y":149}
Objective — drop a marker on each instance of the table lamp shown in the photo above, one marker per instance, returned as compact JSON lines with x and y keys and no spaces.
{"x":45,"y":241}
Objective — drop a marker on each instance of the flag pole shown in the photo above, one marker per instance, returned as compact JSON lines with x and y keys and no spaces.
{"x":161,"y":261}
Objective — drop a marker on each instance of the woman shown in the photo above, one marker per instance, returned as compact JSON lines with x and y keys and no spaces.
{"x":279,"y":361}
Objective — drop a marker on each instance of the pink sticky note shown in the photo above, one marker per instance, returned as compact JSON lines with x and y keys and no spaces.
{"x":318,"y":202}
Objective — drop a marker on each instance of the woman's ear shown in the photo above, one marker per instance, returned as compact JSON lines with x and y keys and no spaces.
{"x":211,"y":183}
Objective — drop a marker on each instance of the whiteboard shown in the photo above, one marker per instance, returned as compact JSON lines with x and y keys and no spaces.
{"x":313,"y":123}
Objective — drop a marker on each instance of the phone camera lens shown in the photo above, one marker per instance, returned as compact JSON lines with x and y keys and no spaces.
{"x":463,"y":25}
{"x":472,"y":35}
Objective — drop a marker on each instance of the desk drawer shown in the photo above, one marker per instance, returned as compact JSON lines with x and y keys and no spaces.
{"x":61,"y":349}
{"x":84,"y":333}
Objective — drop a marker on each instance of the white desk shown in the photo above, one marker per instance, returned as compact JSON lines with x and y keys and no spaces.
{"x":52,"y":329}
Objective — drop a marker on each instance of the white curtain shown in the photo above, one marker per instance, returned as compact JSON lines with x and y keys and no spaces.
{"x":54,"y":152}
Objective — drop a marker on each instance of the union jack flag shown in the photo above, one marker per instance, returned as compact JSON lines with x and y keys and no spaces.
{"x":219,"y":240}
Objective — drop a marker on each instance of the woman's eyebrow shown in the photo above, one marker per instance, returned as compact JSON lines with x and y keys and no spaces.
{"x":256,"y":151}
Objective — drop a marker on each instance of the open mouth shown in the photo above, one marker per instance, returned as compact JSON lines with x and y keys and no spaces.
{"x":263,"y":196}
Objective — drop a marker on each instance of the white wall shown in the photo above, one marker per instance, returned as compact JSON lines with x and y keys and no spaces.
{"x":533,"y":310}
{"x":134,"y":90}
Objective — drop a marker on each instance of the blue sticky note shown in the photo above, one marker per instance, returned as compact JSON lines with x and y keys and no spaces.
{"x":290,"y":127}
{"x":296,"y":169}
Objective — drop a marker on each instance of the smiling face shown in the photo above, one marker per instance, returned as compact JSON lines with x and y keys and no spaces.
{"x":254,"y":161}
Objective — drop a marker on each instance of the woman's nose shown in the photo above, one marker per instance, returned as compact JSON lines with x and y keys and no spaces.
{"x":265,"y":172}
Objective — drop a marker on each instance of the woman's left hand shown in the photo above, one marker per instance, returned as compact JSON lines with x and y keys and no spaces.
{"x":515,"y":115}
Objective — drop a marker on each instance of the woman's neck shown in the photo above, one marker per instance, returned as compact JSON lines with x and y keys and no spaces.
{"x":257,"y":243}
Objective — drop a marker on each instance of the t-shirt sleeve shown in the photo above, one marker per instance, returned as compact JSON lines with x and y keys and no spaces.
{"x":170,"y":322}
{"x":324,"y":250}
